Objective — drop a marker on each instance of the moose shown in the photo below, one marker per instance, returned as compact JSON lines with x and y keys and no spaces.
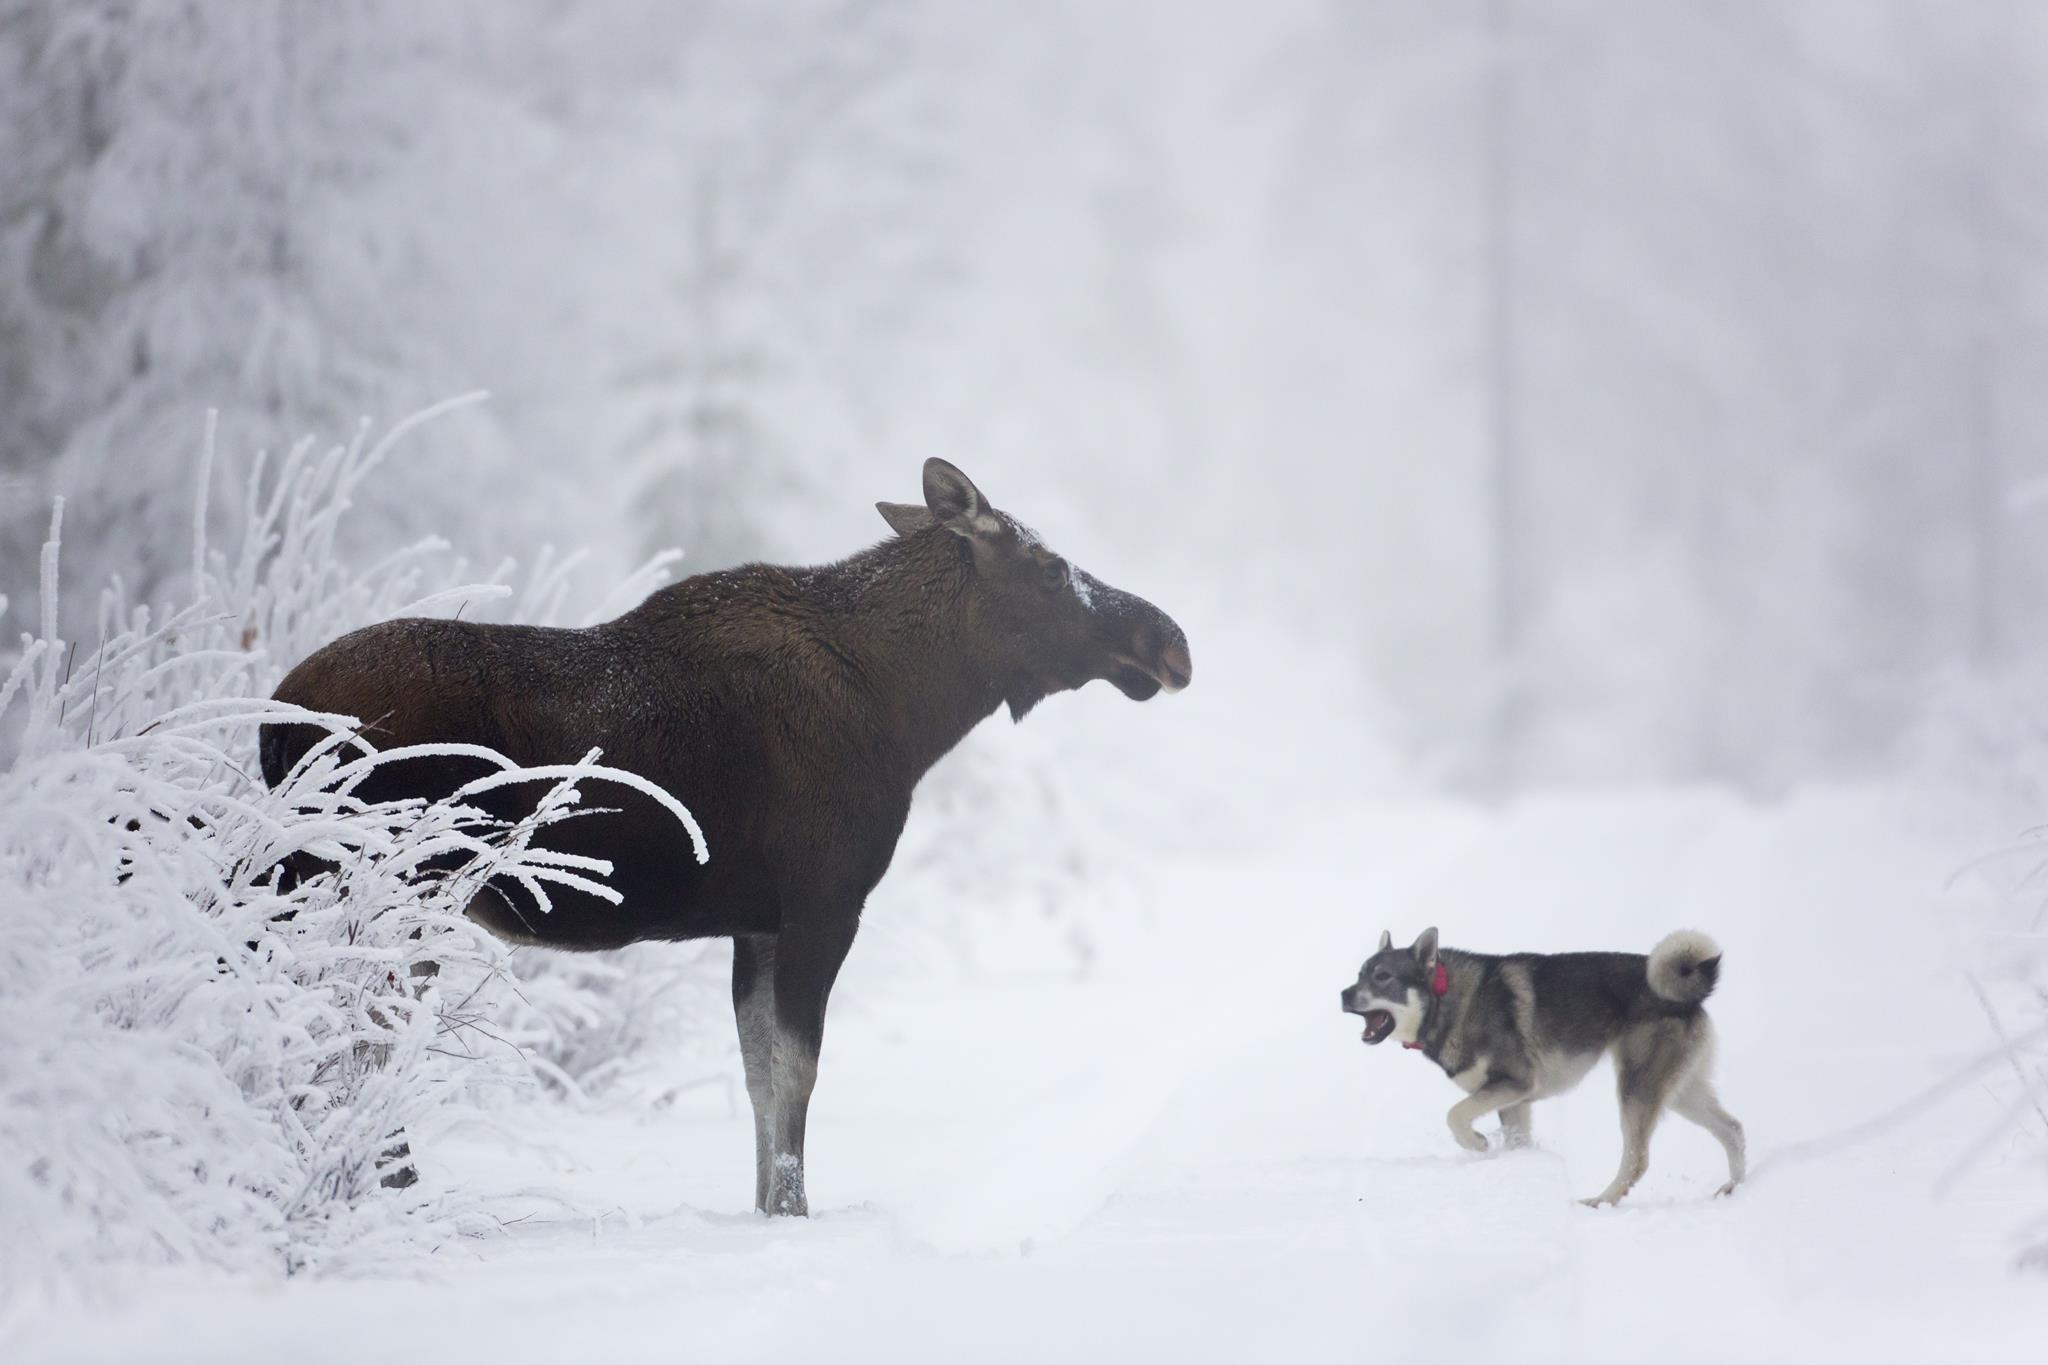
{"x":792,"y":710}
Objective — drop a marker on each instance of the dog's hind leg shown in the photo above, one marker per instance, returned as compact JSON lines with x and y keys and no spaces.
{"x":1515,"y":1128}
{"x":1639,"y":1116}
{"x":1697,"y":1101}
{"x":1645,"y":1069}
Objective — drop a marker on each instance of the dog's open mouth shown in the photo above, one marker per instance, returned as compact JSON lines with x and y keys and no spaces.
{"x":1378,"y":1024}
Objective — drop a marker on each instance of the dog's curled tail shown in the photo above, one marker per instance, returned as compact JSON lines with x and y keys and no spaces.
{"x":1685,"y":967}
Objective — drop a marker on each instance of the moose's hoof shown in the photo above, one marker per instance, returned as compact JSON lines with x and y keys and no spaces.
{"x":787,"y":1199}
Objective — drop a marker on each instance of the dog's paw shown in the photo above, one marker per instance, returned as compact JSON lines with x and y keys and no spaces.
{"x":1469,"y":1139}
{"x":1726,"y":1189}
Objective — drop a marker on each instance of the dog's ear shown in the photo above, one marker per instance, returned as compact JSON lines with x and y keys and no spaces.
{"x":1386,"y":940}
{"x":1425,"y":947}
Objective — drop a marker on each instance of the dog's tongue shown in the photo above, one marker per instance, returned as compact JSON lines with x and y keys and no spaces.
{"x":1378,"y":1024}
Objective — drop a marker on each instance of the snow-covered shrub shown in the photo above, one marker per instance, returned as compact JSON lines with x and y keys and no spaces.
{"x":639,"y":1025}
{"x":584,"y":1024}
{"x":197,"y":1064}
{"x":2010,"y":982}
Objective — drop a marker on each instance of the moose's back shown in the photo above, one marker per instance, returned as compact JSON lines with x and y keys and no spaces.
{"x":549,"y":696}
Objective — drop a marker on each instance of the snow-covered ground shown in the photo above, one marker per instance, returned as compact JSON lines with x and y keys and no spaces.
{"x":1189,"y":1155}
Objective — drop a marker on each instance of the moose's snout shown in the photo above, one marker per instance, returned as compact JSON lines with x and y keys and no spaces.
{"x":1160,"y":649}
{"x":1154,"y":648}
{"x":1176,"y":668}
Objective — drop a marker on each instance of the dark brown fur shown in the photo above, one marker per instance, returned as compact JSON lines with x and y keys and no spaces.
{"x":792,"y":710}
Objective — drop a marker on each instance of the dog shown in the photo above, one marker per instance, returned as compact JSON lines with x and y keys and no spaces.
{"x":1516,"y":1029}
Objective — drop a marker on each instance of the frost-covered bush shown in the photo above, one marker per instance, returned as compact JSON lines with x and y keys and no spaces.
{"x":637,"y":1025}
{"x":199,"y":1065}
{"x":2011,"y":986}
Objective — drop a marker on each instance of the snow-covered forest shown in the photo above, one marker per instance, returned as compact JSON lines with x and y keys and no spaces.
{"x":1591,"y":449}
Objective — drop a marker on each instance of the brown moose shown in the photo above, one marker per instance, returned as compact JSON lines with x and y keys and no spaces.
{"x":792,"y":710}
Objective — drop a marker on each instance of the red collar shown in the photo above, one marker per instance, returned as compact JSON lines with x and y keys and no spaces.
{"x":1439,"y":982}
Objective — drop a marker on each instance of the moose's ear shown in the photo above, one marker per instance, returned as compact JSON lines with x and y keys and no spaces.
{"x":1425,"y":946}
{"x":904,"y":518}
{"x":1386,"y":940}
{"x":954,"y":500}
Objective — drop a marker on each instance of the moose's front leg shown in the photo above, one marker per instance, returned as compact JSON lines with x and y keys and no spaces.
{"x":796,"y":1072}
{"x":807,"y":962}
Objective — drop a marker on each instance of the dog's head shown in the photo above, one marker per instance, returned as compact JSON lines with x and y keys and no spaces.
{"x":1393,"y":989}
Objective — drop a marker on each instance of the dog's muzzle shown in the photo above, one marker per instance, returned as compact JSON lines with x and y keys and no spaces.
{"x":1379,"y":1024}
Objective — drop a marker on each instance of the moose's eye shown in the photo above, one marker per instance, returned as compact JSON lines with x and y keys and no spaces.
{"x":1056,"y":574}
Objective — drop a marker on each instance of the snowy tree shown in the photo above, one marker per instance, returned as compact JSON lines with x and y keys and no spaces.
{"x":175,"y":241}
{"x":805,"y":202}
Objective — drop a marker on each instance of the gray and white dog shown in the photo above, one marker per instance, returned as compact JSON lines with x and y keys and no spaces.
{"x":1516,"y":1029}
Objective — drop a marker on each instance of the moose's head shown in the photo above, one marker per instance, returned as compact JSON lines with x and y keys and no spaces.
{"x":1042,"y":625}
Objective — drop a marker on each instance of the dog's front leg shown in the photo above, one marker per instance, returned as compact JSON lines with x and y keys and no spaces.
{"x":1497,"y":1094}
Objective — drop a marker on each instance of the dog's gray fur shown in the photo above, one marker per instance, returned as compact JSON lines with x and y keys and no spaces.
{"x":1516,"y":1029}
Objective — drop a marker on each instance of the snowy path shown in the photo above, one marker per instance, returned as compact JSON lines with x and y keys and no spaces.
{"x":1191,"y":1156}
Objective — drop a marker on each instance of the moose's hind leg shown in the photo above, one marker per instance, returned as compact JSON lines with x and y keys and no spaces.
{"x":753,"y":1007}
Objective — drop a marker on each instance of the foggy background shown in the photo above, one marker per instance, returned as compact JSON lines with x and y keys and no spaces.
{"x":1593,"y":448}
{"x":1576,"y":391}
